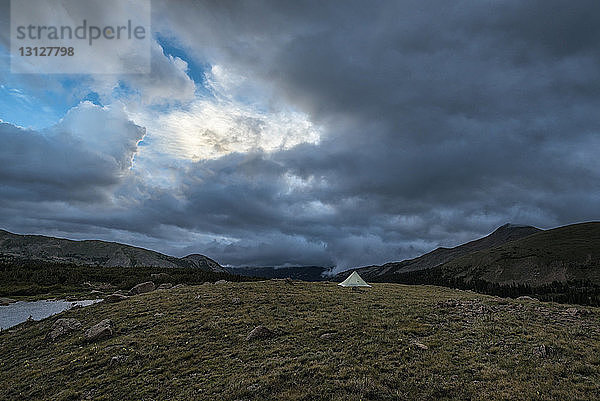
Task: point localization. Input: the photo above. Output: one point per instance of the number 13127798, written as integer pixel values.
(46, 51)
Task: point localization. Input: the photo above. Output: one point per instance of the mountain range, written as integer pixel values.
(511, 255)
(439, 256)
(94, 253)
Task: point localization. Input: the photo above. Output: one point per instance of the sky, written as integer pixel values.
(338, 133)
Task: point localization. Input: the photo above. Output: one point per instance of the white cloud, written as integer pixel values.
(209, 128)
(167, 84)
(104, 131)
(82, 158)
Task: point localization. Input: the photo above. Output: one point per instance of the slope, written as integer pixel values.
(93, 253)
(390, 342)
(569, 253)
(439, 256)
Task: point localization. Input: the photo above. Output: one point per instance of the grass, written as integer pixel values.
(562, 254)
(190, 344)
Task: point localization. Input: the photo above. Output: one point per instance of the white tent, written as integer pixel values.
(354, 280)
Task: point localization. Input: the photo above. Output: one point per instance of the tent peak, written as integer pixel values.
(354, 280)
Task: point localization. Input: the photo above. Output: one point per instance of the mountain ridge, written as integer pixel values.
(94, 253)
(505, 233)
(561, 254)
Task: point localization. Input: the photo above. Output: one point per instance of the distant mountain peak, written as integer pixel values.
(503, 234)
(512, 225)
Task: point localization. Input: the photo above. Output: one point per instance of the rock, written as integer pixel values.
(142, 288)
(572, 311)
(6, 301)
(178, 286)
(236, 301)
(112, 298)
(328, 336)
(160, 276)
(165, 286)
(259, 333)
(540, 351)
(449, 303)
(99, 286)
(418, 345)
(96, 292)
(253, 387)
(102, 330)
(118, 359)
(105, 286)
(526, 298)
(221, 282)
(62, 327)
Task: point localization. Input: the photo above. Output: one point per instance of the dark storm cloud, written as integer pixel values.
(441, 121)
(461, 115)
(61, 164)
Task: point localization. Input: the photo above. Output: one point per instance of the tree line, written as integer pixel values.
(33, 277)
(582, 292)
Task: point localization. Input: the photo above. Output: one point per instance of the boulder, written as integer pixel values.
(540, 351)
(142, 288)
(160, 276)
(112, 298)
(526, 298)
(221, 282)
(328, 336)
(165, 286)
(420, 346)
(177, 286)
(99, 286)
(253, 387)
(259, 333)
(62, 327)
(102, 330)
(572, 311)
(115, 360)
(6, 301)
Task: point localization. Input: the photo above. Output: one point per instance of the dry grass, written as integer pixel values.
(190, 344)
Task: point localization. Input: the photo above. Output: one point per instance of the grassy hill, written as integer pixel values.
(562, 254)
(389, 342)
(560, 265)
(439, 256)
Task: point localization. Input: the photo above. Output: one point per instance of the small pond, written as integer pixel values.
(20, 311)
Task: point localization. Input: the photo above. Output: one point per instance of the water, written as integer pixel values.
(20, 311)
